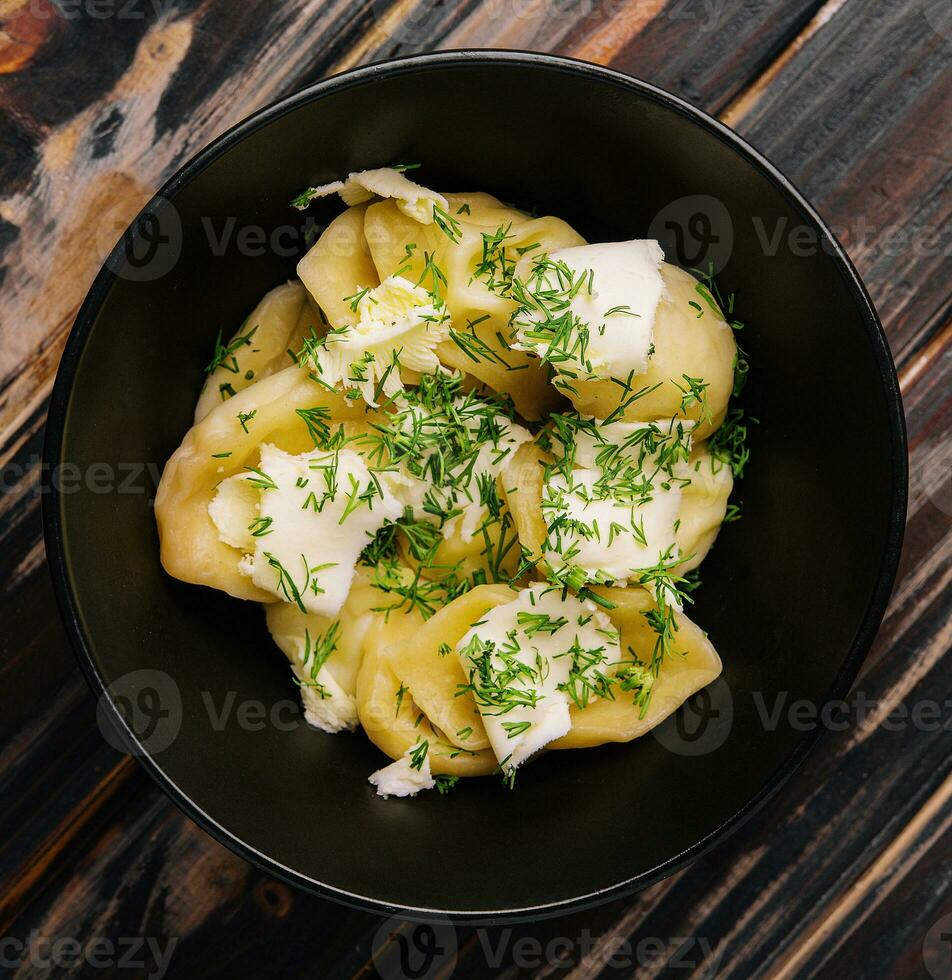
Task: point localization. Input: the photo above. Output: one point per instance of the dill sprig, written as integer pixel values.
(317, 653)
(418, 754)
(444, 783)
(544, 321)
(224, 355)
(447, 223)
(452, 444)
(728, 445)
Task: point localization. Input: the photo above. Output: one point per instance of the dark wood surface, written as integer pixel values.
(847, 872)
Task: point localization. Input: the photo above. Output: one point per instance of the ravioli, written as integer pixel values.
(469, 269)
(262, 346)
(469, 464)
(690, 371)
(699, 485)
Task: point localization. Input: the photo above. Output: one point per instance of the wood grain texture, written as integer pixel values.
(848, 868)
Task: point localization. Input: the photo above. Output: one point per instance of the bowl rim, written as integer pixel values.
(88, 314)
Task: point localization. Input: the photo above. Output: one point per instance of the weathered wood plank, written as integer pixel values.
(704, 50)
(929, 827)
(80, 160)
(863, 143)
(897, 936)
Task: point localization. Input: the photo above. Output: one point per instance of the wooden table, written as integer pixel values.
(847, 872)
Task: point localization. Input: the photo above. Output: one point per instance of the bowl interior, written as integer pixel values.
(787, 589)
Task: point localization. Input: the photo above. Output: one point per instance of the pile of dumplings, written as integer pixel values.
(470, 497)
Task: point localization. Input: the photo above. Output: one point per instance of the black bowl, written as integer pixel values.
(793, 592)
